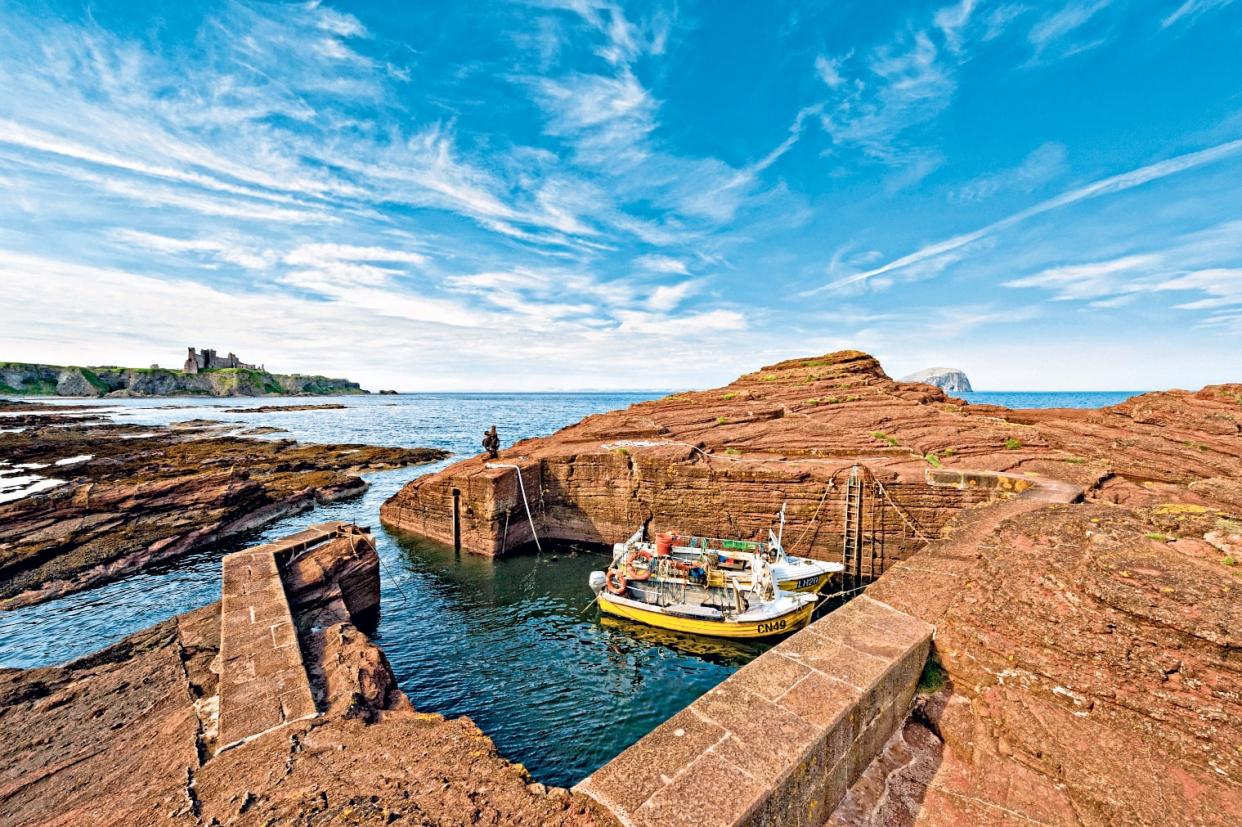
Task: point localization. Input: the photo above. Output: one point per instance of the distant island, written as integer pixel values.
(203, 374)
(949, 379)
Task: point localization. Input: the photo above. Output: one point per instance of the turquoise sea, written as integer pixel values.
(506, 642)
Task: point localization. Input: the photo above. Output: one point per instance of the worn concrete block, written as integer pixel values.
(711, 791)
(803, 789)
(628, 780)
(769, 678)
(833, 658)
(767, 732)
(819, 700)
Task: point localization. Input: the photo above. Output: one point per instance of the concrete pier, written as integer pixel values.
(782, 739)
(263, 681)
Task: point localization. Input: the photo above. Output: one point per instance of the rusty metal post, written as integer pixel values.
(456, 519)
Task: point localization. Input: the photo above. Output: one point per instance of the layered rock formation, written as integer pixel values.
(131, 496)
(1088, 653)
(947, 379)
(128, 735)
(1091, 663)
(26, 379)
(719, 462)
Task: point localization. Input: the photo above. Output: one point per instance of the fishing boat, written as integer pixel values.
(737, 557)
(677, 595)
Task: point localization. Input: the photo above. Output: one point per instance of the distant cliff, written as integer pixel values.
(949, 379)
(23, 379)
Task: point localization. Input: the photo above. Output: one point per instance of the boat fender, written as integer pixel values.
(615, 582)
(642, 556)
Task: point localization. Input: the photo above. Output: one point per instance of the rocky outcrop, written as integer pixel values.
(128, 735)
(1090, 667)
(25, 379)
(719, 462)
(330, 406)
(947, 379)
(140, 495)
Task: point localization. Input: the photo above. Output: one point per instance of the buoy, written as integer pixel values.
(664, 544)
(642, 573)
(615, 582)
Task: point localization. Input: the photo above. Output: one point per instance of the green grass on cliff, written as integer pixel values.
(933, 678)
(258, 381)
(39, 387)
(94, 380)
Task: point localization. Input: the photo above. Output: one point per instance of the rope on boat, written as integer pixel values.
(814, 517)
(525, 503)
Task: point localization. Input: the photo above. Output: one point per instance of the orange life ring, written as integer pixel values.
(642, 573)
(615, 582)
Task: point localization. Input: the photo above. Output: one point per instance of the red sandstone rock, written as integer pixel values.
(150, 498)
(126, 736)
(1091, 650)
(1092, 663)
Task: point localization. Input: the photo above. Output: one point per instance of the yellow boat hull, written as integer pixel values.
(806, 584)
(715, 628)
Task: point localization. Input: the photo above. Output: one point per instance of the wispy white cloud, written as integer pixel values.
(607, 117)
(951, 20)
(1200, 266)
(829, 69)
(879, 100)
(691, 324)
(662, 264)
(1061, 32)
(1089, 280)
(321, 254)
(905, 83)
(1191, 10)
(1043, 164)
(240, 254)
(953, 246)
(668, 296)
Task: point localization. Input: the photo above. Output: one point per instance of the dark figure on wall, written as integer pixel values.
(491, 442)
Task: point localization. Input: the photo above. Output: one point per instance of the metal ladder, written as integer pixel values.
(852, 534)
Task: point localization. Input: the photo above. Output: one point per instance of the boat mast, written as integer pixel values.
(781, 533)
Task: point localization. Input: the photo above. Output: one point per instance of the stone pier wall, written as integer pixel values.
(263, 680)
(604, 497)
(782, 739)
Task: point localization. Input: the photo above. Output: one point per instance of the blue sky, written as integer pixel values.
(578, 194)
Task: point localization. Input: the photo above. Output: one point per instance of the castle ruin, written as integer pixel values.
(206, 359)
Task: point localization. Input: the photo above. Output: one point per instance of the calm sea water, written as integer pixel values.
(508, 642)
(1048, 399)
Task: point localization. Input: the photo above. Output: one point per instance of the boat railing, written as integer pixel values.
(721, 544)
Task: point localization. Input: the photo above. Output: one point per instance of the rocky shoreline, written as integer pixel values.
(129, 735)
(129, 496)
(1084, 666)
(28, 379)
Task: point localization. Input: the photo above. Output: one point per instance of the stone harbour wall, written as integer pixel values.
(781, 740)
(603, 497)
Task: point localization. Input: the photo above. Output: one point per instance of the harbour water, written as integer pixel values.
(509, 642)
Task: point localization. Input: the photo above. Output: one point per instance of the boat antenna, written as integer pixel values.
(780, 534)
